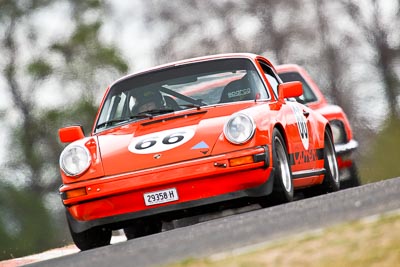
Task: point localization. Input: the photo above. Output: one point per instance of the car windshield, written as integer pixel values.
(181, 87)
(308, 95)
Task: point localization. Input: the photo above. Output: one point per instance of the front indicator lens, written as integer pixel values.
(241, 161)
(76, 193)
(75, 160)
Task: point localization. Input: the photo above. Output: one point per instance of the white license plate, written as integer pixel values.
(160, 197)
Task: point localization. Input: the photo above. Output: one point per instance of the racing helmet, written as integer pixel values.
(147, 96)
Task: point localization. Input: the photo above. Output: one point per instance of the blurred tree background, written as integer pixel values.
(58, 56)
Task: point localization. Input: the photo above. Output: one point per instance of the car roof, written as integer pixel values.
(288, 67)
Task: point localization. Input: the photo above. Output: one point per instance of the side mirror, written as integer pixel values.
(290, 89)
(70, 134)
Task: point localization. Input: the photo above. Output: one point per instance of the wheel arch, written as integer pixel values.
(329, 129)
(281, 192)
(281, 130)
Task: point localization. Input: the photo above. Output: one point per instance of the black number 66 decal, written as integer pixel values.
(161, 141)
(168, 140)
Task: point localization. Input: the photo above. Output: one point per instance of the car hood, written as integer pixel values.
(163, 140)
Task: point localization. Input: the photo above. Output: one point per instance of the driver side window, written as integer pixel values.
(273, 81)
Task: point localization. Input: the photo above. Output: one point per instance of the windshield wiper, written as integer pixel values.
(152, 112)
(191, 106)
(110, 122)
(145, 114)
(141, 115)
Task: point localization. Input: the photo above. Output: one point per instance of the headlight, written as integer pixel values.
(239, 129)
(74, 160)
(339, 136)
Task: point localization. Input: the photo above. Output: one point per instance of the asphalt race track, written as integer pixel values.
(227, 233)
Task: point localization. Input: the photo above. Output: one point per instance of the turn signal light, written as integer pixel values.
(76, 192)
(241, 161)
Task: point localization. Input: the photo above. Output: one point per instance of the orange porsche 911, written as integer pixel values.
(188, 137)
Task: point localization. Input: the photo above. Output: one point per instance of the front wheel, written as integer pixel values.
(143, 228)
(283, 189)
(91, 238)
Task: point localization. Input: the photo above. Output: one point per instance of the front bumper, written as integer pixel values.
(198, 182)
(344, 159)
(346, 148)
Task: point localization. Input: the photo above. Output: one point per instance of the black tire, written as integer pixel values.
(331, 181)
(143, 228)
(354, 179)
(92, 238)
(283, 190)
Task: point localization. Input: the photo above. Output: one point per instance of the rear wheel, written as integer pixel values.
(331, 181)
(283, 189)
(142, 228)
(91, 238)
(353, 180)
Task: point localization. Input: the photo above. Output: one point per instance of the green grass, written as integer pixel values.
(360, 243)
(382, 160)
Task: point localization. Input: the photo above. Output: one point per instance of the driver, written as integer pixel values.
(148, 100)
